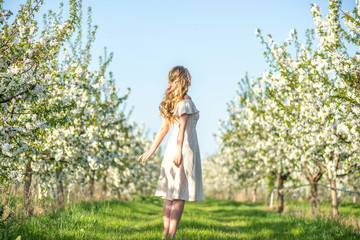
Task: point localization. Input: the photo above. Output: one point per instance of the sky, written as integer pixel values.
(214, 40)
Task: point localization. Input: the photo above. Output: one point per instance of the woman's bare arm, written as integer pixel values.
(163, 130)
(180, 139)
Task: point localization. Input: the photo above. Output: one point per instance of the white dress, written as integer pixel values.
(185, 182)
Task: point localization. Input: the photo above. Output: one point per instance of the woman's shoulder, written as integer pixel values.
(185, 106)
(186, 100)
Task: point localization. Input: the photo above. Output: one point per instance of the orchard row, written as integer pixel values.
(62, 123)
(300, 121)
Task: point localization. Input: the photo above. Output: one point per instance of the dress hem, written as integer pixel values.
(180, 198)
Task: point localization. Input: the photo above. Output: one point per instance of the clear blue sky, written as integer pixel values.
(215, 40)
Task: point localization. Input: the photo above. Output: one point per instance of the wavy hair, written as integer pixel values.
(182, 79)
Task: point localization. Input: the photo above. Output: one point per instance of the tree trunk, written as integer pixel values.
(68, 191)
(280, 185)
(271, 199)
(36, 189)
(104, 186)
(354, 195)
(59, 187)
(77, 192)
(28, 208)
(313, 178)
(230, 193)
(314, 196)
(268, 199)
(334, 202)
(254, 195)
(92, 183)
(270, 188)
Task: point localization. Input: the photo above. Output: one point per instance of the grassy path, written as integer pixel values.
(142, 219)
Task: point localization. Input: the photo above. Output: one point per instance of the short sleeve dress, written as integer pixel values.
(184, 182)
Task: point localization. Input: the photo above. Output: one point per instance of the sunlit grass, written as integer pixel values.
(142, 219)
(346, 208)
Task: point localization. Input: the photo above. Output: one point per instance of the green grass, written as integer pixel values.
(142, 219)
(347, 209)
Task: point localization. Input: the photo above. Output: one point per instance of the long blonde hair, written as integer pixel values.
(182, 79)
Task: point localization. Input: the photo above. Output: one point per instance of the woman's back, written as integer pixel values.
(184, 182)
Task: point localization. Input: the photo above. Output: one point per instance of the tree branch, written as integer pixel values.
(319, 164)
(337, 162)
(354, 167)
(7, 100)
(308, 175)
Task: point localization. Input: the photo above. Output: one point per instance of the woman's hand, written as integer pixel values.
(163, 130)
(178, 159)
(145, 156)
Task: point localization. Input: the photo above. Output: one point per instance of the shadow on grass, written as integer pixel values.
(141, 218)
(216, 202)
(100, 219)
(348, 204)
(249, 224)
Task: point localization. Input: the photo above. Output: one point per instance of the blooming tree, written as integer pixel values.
(307, 105)
(61, 121)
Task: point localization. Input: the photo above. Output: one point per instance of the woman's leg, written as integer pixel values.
(175, 216)
(166, 212)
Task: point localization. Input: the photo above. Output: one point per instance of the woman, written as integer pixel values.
(180, 175)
